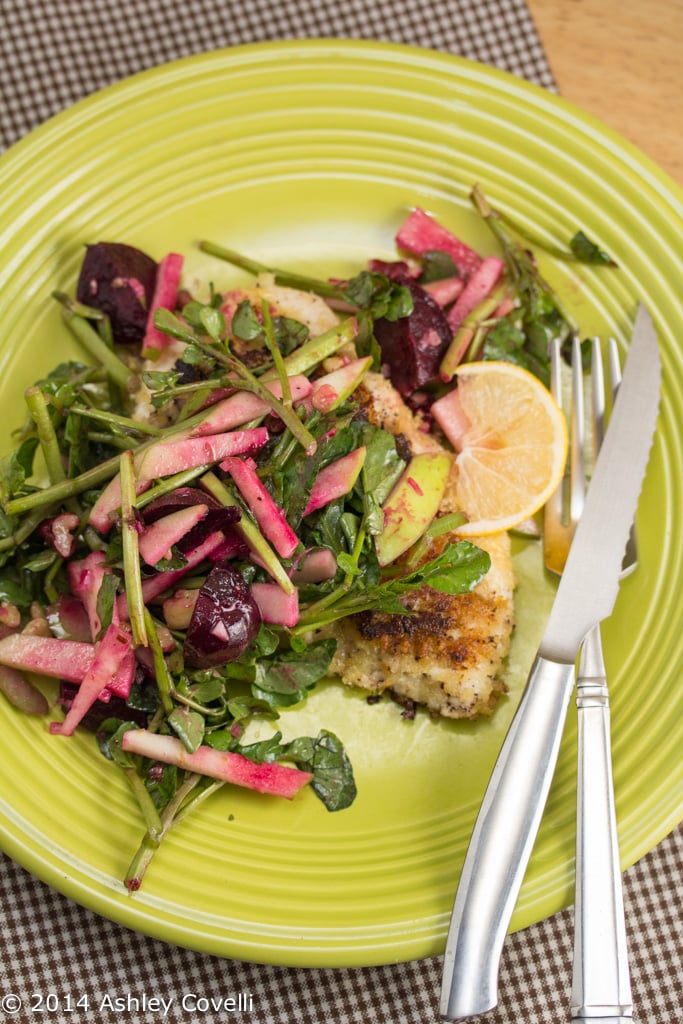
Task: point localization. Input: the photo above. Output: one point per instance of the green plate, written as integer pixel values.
(310, 154)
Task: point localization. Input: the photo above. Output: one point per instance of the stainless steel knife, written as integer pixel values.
(511, 811)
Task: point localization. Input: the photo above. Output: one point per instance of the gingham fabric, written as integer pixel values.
(52, 54)
(62, 963)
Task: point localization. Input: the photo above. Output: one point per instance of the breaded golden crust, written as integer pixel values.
(449, 653)
(385, 408)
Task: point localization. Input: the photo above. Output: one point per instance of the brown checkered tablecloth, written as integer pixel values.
(52, 54)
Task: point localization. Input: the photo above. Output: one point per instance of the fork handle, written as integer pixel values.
(600, 985)
(502, 841)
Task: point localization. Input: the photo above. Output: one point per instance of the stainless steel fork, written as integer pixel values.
(601, 988)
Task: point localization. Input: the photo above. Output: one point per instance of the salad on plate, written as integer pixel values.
(242, 493)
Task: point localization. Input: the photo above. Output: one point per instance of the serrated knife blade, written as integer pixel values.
(511, 810)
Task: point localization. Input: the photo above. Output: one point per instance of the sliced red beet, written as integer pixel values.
(173, 501)
(165, 458)
(158, 539)
(413, 346)
(113, 660)
(267, 777)
(222, 519)
(421, 233)
(269, 516)
(165, 297)
(218, 517)
(119, 280)
(275, 605)
(159, 582)
(49, 656)
(479, 286)
(225, 620)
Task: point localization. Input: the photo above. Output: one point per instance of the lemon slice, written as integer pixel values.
(510, 436)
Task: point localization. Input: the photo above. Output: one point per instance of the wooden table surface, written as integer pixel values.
(622, 61)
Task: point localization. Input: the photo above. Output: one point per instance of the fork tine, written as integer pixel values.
(555, 503)
(614, 367)
(578, 463)
(563, 509)
(598, 395)
(555, 528)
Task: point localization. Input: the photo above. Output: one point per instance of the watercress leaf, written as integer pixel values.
(379, 294)
(289, 334)
(327, 530)
(360, 289)
(437, 265)
(373, 514)
(192, 314)
(349, 525)
(268, 750)
(245, 324)
(209, 690)
(585, 348)
(41, 561)
(188, 725)
(298, 644)
(366, 343)
(220, 739)
(17, 467)
(113, 553)
(325, 757)
(505, 341)
(109, 735)
(212, 321)
(294, 671)
(457, 570)
(106, 598)
(398, 303)
(245, 707)
(160, 380)
(588, 252)
(383, 465)
(176, 561)
(143, 697)
(265, 642)
(193, 355)
(279, 700)
(162, 785)
(347, 564)
(14, 592)
(168, 323)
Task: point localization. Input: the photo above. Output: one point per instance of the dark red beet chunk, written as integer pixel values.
(414, 346)
(225, 620)
(173, 501)
(118, 280)
(219, 517)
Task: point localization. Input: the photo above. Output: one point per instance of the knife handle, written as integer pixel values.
(600, 983)
(502, 841)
